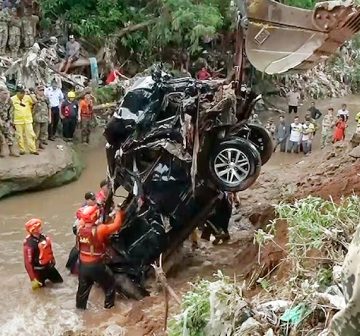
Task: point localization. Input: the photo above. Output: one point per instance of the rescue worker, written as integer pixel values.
(38, 256)
(14, 33)
(42, 117)
(72, 263)
(4, 30)
(103, 193)
(70, 116)
(23, 121)
(6, 123)
(91, 239)
(86, 116)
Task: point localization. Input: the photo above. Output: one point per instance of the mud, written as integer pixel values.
(52, 310)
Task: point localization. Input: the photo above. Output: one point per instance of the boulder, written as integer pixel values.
(58, 164)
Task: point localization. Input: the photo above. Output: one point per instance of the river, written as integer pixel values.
(50, 311)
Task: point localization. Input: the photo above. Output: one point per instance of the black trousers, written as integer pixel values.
(55, 117)
(69, 126)
(49, 273)
(95, 272)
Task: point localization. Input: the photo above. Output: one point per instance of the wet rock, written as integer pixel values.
(355, 153)
(52, 168)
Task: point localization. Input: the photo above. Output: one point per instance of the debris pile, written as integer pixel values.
(337, 77)
(301, 290)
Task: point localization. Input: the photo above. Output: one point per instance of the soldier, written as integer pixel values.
(346, 322)
(14, 33)
(41, 117)
(6, 123)
(29, 29)
(4, 29)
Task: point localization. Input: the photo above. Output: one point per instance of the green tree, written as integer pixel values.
(181, 23)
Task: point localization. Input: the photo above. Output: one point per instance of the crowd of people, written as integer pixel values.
(298, 136)
(30, 118)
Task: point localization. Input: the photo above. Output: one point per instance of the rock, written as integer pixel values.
(114, 330)
(355, 153)
(52, 168)
(250, 327)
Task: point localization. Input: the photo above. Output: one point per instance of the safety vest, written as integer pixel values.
(46, 255)
(88, 243)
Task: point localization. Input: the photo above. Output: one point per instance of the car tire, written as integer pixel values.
(129, 288)
(234, 165)
(259, 136)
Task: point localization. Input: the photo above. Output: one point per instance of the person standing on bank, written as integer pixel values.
(55, 97)
(70, 116)
(293, 98)
(23, 121)
(87, 115)
(42, 117)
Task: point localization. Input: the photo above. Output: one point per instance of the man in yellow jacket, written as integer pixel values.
(23, 121)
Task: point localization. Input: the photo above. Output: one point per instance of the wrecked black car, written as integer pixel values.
(179, 147)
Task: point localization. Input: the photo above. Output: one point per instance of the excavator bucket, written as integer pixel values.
(281, 38)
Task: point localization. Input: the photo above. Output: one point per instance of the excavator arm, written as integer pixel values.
(280, 38)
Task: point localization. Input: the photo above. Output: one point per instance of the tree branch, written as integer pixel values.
(132, 28)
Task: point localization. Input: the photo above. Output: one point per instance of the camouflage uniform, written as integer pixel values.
(347, 321)
(14, 35)
(29, 31)
(4, 30)
(6, 128)
(41, 120)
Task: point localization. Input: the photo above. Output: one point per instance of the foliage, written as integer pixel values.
(210, 308)
(182, 23)
(108, 94)
(309, 4)
(318, 224)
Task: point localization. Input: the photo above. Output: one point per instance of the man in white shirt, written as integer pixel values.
(343, 111)
(295, 136)
(55, 97)
(293, 98)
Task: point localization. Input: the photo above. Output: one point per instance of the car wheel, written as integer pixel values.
(259, 136)
(235, 165)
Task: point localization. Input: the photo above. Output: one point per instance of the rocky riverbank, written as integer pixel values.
(57, 165)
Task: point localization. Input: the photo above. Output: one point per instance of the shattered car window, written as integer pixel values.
(136, 99)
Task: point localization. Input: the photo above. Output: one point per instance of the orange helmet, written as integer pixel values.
(89, 214)
(33, 225)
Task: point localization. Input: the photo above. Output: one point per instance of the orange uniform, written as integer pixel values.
(92, 238)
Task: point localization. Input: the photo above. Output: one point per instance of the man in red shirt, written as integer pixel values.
(91, 242)
(114, 76)
(203, 74)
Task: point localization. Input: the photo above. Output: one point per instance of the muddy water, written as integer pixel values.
(50, 311)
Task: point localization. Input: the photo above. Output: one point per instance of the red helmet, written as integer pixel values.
(89, 214)
(33, 225)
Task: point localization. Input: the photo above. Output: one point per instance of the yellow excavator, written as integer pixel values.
(277, 38)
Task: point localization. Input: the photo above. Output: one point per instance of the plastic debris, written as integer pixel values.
(294, 316)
